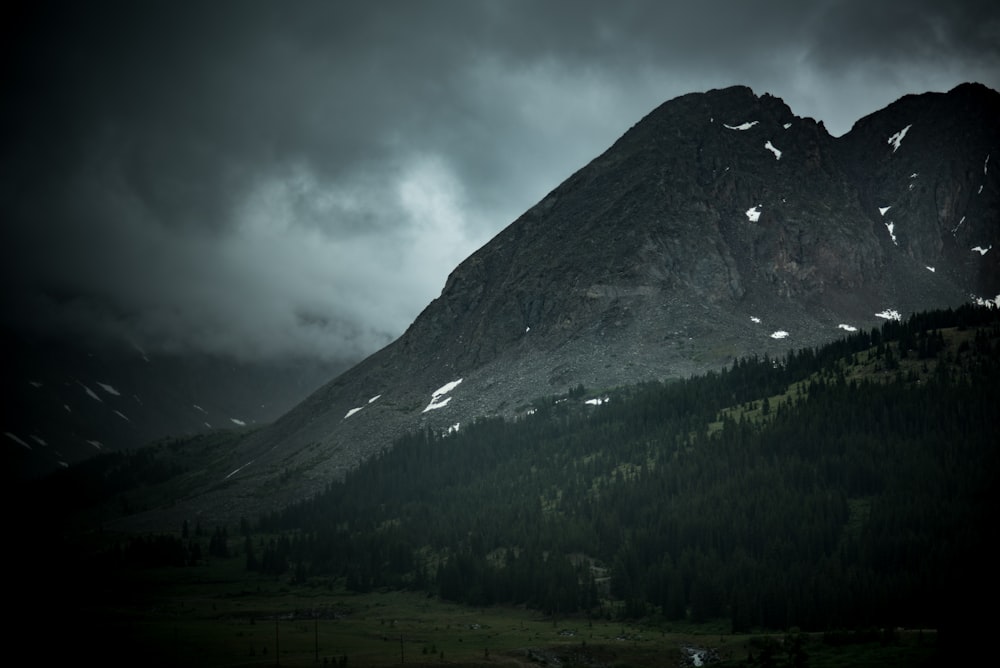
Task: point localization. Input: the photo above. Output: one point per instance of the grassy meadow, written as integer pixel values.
(218, 614)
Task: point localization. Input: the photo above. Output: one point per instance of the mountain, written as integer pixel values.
(720, 226)
(64, 402)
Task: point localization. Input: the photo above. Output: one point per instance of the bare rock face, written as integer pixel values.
(933, 183)
(719, 226)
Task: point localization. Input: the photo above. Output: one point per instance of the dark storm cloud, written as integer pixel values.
(921, 32)
(277, 177)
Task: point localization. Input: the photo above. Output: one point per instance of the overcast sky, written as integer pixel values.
(269, 178)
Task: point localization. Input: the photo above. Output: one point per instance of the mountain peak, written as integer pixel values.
(733, 106)
(974, 88)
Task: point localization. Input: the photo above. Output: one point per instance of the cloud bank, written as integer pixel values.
(266, 179)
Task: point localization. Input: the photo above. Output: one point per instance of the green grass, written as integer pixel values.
(866, 367)
(218, 614)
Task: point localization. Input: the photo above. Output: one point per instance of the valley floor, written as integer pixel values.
(219, 615)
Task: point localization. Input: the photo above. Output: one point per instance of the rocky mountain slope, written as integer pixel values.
(721, 225)
(61, 402)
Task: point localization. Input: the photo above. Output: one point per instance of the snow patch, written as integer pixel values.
(436, 401)
(891, 226)
(199, 408)
(741, 126)
(122, 416)
(897, 139)
(847, 328)
(914, 175)
(780, 334)
(755, 319)
(597, 401)
(981, 250)
(34, 383)
(38, 439)
(883, 209)
(986, 164)
(980, 191)
(97, 444)
(955, 229)
(238, 422)
(239, 469)
(355, 410)
(16, 440)
(787, 125)
(446, 388)
(753, 213)
(992, 303)
(90, 392)
(141, 352)
(66, 406)
(436, 404)
(889, 314)
(453, 429)
(930, 268)
(773, 149)
(110, 390)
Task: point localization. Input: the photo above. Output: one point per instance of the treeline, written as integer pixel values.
(860, 499)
